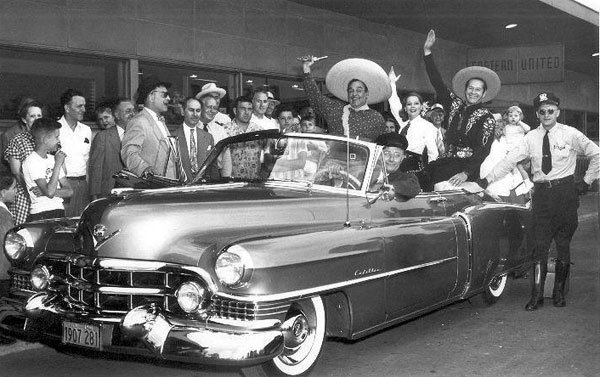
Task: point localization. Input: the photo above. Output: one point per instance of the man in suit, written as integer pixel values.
(195, 143)
(145, 147)
(105, 154)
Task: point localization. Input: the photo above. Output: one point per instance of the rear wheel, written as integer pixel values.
(304, 334)
(494, 289)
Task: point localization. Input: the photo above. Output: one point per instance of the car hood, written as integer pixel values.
(185, 224)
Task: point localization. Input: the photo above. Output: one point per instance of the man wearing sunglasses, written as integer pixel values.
(553, 149)
(146, 149)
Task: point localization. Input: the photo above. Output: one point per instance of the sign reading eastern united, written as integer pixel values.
(520, 65)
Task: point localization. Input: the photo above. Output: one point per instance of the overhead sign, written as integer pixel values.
(520, 65)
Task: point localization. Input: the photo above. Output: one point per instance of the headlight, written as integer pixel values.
(40, 278)
(233, 266)
(15, 243)
(190, 296)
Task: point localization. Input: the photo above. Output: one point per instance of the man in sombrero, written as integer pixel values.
(470, 126)
(356, 83)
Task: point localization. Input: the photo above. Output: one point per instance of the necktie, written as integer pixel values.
(193, 150)
(405, 129)
(546, 155)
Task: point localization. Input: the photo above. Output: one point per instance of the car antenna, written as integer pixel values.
(347, 223)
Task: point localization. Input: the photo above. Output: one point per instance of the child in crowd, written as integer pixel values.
(391, 125)
(514, 131)
(44, 175)
(513, 187)
(316, 149)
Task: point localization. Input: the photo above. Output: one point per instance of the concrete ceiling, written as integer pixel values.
(480, 23)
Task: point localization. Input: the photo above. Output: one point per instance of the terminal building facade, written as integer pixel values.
(103, 48)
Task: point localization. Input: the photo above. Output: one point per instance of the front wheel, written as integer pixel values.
(494, 289)
(304, 334)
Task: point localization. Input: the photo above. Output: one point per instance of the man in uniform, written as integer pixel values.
(553, 148)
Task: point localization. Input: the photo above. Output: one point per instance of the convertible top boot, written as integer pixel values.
(558, 294)
(538, 278)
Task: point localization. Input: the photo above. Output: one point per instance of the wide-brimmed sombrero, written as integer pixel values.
(367, 71)
(490, 78)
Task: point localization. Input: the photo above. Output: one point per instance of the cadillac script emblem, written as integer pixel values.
(99, 231)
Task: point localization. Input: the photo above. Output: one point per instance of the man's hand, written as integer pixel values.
(149, 172)
(582, 187)
(429, 42)
(36, 191)
(59, 159)
(458, 179)
(308, 61)
(387, 192)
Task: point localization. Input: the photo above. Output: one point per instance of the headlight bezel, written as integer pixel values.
(23, 238)
(200, 291)
(242, 272)
(43, 272)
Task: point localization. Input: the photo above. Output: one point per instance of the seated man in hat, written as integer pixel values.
(403, 183)
(360, 82)
(470, 126)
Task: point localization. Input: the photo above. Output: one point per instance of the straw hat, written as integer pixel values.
(490, 78)
(271, 97)
(211, 87)
(367, 71)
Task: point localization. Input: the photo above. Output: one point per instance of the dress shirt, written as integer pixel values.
(161, 124)
(421, 134)
(215, 129)
(221, 119)
(565, 144)
(120, 131)
(76, 144)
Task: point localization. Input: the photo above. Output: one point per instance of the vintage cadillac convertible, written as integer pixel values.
(259, 269)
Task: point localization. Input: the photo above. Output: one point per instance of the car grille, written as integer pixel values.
(20, 281)
(247, 311)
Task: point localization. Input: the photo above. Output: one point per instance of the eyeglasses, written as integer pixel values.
(163, 94)
(544, 112)
(389, 154)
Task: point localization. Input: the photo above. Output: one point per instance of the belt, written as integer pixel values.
(555, 182)
(80, 178)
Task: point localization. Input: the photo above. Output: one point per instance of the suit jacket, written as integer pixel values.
(406, 185)
(105, 160)
(145, 146)
(204, 144)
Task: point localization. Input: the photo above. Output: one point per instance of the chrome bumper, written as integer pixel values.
(163, 335)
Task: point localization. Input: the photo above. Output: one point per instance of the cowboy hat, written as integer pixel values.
(462, 77)
(367, 71)
(211, 87)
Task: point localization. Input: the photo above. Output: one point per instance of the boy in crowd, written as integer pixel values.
(8, 189)
(44, 173)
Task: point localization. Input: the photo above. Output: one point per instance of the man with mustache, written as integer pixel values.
(145, 148)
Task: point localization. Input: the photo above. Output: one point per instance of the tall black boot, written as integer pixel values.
(538, 278)
(558, 294)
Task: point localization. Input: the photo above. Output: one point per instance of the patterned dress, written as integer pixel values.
(366, 124)
(20, 147)
(470, 132)
(245, 157)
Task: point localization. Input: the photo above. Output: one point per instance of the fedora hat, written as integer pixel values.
(211, 87)
(367, 71)
(271, 97)
(147, 85)
(491, 79)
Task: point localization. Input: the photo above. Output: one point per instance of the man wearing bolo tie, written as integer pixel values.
(552, 148)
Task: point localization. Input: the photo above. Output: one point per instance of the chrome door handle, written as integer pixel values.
(438, 200)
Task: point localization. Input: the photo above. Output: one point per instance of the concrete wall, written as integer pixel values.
(263, 36)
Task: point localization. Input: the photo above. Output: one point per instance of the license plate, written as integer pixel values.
(79, 334)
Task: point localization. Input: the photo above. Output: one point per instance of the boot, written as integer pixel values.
(558, 294)
(538, 278)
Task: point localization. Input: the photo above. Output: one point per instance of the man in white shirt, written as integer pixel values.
(260, 104)
(105, 154)
(211, 89)
(75, 141)
(208, 122)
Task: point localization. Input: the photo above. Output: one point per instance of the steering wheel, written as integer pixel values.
(323, 176)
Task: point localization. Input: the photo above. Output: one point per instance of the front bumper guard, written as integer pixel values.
(165, 336)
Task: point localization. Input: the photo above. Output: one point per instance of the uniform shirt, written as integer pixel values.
(36, 167)
(421, 134)
(565, 144)
(367, 124)
(76, 144)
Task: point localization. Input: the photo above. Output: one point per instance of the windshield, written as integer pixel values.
(276, 157)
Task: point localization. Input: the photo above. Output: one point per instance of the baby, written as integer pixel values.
(514, 132)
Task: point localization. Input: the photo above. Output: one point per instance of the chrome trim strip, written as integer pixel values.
(245, 324)
(123, 264)
(327, 287)
(130, 290)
